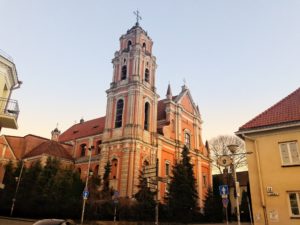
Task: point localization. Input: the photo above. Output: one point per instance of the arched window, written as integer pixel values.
(187, 139)
(144, 45)
(145, 163)
(114, 168)
(124, 72)
(129, 45)
(119, 113)
(99, 147)
(146, 119)
(147, 75)
(82, 149)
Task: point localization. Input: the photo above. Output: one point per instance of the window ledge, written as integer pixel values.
(290, 165)
(295, 217)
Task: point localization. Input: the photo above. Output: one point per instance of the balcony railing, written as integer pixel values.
(9, 107)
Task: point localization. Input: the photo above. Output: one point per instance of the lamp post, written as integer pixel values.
(17, 189)
(85, 192)
(233, 149)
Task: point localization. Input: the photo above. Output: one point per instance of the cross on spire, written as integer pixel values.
(138, 17)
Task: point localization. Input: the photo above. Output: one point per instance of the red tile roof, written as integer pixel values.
(50, 147)
(285, 111)
(84, 129)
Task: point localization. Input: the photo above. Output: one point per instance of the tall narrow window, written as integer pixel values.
(82, 149)
(294, 198)
(114, 168)
(146, 120)
(124, 72)
(204, 178)
(119, 113)
(128, 45)
(147, 75)
(99, 146)
(167, 169)
(187, 139)
(96, 170)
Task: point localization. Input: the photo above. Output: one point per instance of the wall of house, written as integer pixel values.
(266, 170)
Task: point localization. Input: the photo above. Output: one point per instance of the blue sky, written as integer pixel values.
(237, 57)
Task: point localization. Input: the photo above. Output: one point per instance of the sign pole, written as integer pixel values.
(226, 213)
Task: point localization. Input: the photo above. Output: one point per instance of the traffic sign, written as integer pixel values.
(85, 194)
(223, 189)
(225, 202)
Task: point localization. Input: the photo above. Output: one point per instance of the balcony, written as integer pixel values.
(9, 112)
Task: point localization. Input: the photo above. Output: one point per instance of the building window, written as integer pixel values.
(114, 168)
(204, 179)
(82, 148)
(167, 169)
(96, 170)
(147, 75)
(187, 139)
(289, 153)
(294, 199)
(124, 72)
(99, 147)
(119, 113)
(129, 45)
(146, 119)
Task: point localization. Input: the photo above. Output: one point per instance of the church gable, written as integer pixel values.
(186, 101)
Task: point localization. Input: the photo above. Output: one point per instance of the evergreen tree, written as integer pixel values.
(213, 208)
(28, 190)
(106, 190)
(7, 194)
(145, 207)
(183, 196)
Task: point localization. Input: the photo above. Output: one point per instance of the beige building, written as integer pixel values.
(9, 109)
(274, 167)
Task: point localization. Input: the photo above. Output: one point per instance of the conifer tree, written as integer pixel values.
(213, 208)
(7, 193)
(183, 196)
(145, 207)
(106, 190)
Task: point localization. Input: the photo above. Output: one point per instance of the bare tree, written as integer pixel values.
(218, 147)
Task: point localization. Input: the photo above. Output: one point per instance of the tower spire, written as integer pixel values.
(169, 92)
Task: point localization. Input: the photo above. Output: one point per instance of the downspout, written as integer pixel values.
(262, 198)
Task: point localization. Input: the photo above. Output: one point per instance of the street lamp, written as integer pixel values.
(233, 148)
(85, 192)
(18, 179)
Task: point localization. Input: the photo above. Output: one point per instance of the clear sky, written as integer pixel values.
(238, 57)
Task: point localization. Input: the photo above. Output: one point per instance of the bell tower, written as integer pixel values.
(131, 112)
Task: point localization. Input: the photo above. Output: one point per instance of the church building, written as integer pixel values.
(139, 129)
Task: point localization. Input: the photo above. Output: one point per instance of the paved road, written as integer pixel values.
(7, 221)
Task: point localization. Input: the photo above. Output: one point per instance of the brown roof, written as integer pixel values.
(22, 145)
(50, 147)
(84, 129)
(285, 111)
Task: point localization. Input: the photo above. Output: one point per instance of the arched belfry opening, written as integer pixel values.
(129, 45)
(124, 72)
(147, 75)
(146, 115)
